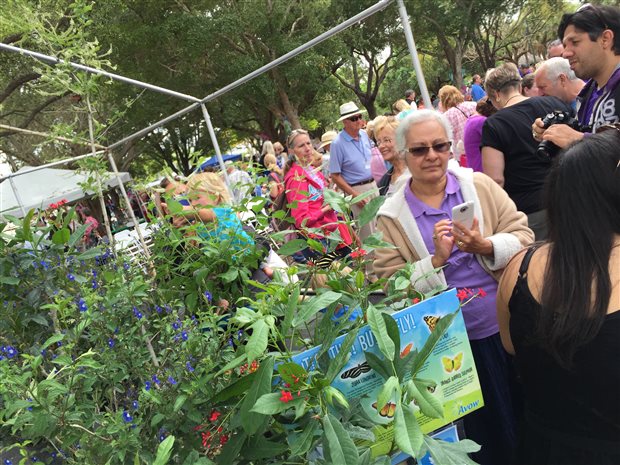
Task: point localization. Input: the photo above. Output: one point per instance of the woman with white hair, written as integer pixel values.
(417, 220)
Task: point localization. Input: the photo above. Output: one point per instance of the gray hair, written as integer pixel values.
(417, 117)
(556, 66)
(554, 43)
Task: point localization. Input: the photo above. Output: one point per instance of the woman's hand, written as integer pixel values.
(443, 241)
(470, 240)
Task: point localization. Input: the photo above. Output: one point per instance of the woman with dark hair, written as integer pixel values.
(304, 186)
(558, 307)
(472, 133)
(508, 150)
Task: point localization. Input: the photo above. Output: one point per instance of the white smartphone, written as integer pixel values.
(464, 214)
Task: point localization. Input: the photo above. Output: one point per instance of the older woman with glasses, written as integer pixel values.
(304, 185)
(385, 136)
(417, 220)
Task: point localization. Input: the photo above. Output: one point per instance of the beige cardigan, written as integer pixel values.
(499, 220)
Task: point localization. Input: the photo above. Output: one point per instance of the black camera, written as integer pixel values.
(547, 148)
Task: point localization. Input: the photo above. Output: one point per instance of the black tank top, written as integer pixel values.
(578, 408)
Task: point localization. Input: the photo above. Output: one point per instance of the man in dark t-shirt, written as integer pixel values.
(509, 131)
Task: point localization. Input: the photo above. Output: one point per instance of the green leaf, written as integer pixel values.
(369, 212)
(291, 306)
(339, 447)
(335, 200)
(157, 418)
(407, 433)
(164, 450)
(440, 328)
(379, 330)
(310, 308)
(61, 236)
(237, 388)
(51, 340)
(393, 333)
(234, 363)
(270, 404)
(343, 355)
(258, 340)
(251, 421)
(387, 392)
(382, 367)
(420, 390)
(179, 403)
(451, 453)
(90, 253)
(27, 232)
(292, 372)
(230, 275)
(301, 443)
(11, 280)
(230, 452)
(292, 246)
(78, 234)
(259, 448)
(174, 206)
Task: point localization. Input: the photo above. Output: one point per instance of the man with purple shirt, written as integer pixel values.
(417, 222)
(591, 38)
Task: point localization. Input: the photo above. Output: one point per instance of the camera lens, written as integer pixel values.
(463, 209)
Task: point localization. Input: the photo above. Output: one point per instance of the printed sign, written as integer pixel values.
(450, 366)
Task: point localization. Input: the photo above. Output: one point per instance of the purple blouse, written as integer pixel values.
(462, 269)
(472, 135)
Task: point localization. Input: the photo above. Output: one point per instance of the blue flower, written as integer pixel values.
(176, 325)
(135, 405)
(70, 277)
(231, 343)
(94, 284)
(111, 343)
(239, 334)
(171, 380)
(147, 385)
(156, 380)
(8, 462)
(158, 309)
(10, 351)
(126, 266)
(208, 296)
(137, 313)
(184, 336)
(44, 264)
(127, 418)
(189, 367)
(94, 272)
(82, 305)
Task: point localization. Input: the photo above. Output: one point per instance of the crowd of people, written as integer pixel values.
(528, 149)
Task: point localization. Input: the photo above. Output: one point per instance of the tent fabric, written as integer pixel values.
(213, 161)
(43, 187)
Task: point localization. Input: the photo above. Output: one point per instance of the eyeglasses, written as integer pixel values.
(441, 147)
(387, 140)
(355, 118)
(596, 11)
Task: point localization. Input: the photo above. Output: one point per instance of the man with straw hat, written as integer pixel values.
(349, 162)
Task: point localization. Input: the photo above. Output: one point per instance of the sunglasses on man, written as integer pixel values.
(355, 118)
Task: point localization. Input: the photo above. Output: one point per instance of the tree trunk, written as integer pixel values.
(458, 65)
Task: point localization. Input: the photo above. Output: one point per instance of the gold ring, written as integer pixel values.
(459, 244)
(534, 135)
(434, 237)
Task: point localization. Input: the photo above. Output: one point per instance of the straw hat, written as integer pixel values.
(349, 109)
(327, 138)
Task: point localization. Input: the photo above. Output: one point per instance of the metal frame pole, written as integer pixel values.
(404, 19)
(17, 196)
(49, 165)
(216, 146)
(302, 48)
(88, 69)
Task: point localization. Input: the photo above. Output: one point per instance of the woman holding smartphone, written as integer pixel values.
(417, 220)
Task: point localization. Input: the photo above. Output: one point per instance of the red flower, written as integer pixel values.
(206, 438)
(462, 294)
(223, 439)
(359, 253)
(214, 416)
(416, 300)
(481, 292)
(286, 397)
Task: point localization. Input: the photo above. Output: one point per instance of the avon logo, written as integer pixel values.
(463, 409)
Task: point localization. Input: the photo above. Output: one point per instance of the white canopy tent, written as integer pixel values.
(39, 188)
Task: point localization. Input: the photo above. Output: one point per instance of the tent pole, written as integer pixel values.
(216, 146)
(382, 4)
(136, 226)
(106, 219)
(404, 19)
(49, 165)
(88, 69)
(17, 196)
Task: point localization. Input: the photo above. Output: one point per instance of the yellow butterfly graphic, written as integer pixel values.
(452, 364)
(431, 321)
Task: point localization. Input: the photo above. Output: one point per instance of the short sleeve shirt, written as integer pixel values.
(351, 157)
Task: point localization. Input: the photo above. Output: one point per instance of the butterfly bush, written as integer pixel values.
(108, 359)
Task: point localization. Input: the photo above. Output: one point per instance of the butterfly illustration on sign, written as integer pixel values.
(356, 371)
(451, 364)
(387, 411)
(431, 322)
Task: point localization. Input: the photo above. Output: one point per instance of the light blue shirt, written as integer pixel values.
(477, 92)
(350, 157)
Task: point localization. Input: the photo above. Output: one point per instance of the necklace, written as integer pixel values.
(515, 95)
